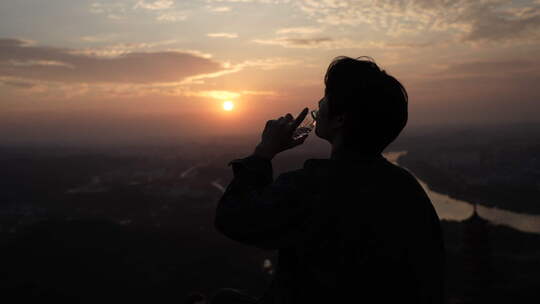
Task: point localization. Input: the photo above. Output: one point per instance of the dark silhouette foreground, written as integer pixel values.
(351, 228)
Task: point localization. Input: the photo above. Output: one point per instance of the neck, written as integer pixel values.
(340, 152)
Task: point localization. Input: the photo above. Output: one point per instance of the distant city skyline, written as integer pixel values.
(104, 70)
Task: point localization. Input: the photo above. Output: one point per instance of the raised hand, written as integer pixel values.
(278, 135)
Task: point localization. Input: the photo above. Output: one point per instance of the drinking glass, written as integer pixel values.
(306, 126)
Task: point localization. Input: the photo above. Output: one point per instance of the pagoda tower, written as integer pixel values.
(476, 253)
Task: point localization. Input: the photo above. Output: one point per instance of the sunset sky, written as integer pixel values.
(104, 70)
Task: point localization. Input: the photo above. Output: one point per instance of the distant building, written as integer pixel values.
(476, 252)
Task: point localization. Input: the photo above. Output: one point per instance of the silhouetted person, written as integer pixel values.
(353, 228)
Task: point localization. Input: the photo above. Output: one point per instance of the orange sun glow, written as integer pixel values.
(228, 105)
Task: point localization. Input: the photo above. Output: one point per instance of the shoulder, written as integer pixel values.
(407, 191)
(401, 175)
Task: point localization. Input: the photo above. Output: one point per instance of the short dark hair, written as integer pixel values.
(373, 102)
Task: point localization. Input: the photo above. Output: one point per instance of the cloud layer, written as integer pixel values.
(469, 20)
(20, 60)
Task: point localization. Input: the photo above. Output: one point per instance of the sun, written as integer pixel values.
(228, 105)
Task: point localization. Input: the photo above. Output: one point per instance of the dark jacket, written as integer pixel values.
(357, 230)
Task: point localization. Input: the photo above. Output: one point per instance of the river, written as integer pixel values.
(457, 210)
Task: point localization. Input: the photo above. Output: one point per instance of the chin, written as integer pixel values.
(319, 134)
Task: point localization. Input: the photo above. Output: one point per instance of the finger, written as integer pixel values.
(299, 141)
(268, 123)
(300, 118)
(289, 117)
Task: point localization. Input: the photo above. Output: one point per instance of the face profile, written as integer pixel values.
(327, 128)
(320, 123)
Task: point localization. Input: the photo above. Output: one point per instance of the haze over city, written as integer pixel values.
(107, 71)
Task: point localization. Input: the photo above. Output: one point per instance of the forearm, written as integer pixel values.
(250, 176)
(250, 173)
(255, 210)
(263, 151)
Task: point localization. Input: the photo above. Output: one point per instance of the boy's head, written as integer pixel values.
(361, 103)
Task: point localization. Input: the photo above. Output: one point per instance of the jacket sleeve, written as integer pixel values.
(256, 211)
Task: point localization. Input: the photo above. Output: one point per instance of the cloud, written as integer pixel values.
(114, 11)
(105, 7)
(16, 83)
(486, 24)
(494, 67)
(479, 91)
(99, 37)
(271, 63)
(124, 48)
(485, 80)
(341, 43)
(298, 42)
(28, 63)
(120, 71)
(299, 30)
(154, 5)
(164, 11)
(259, 93)
(67, 66)
(409, 44)
(231, 1)
(469, 20)
(251, 1)
(171, 17)
(225, 95)
(263, 64)
(222, 35)
(219, 9)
